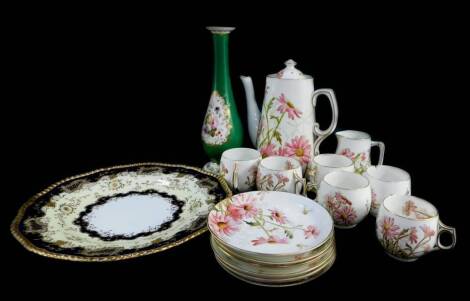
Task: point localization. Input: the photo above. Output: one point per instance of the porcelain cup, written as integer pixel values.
(356, 145)
(323, 164)
(386, 181)
(409, 227)
(347, 196)
(278, 173)
(238, 166)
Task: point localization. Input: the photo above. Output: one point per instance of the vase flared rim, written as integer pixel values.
(220, 29)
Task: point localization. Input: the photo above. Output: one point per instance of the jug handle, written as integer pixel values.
(321, 135)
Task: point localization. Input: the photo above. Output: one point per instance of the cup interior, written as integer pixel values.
(279, 163)
(410, 207)
(350, 134)
(388, 173)
(346, 180)
(332, 160)
(241, 154)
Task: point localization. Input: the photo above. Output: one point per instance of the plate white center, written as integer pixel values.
(130, 215)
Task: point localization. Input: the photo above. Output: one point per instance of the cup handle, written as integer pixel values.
(381, 146)
(311, 174)
(235, 177)
(321, 135)
(441, 229)
(303, 181)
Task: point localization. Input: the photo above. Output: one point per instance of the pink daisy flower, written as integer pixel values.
(345, 215)
(299, 148)
(285, 106)
(388, 228)
(222, 224)
(245, 205)
(268, 150)
(234, 212)
(311, 231)
(278, 216)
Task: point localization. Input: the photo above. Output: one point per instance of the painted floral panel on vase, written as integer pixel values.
(216, 127)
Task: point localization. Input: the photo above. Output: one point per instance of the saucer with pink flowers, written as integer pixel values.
(269, 222)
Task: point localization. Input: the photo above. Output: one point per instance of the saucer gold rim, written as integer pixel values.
(321, 269)
(322, 249)
(258, 275)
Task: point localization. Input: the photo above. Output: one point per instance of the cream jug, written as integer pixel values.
(286, 125)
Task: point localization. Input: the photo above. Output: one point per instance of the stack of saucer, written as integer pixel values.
(272, 238)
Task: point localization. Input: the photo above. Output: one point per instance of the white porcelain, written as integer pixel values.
(386, 181)
(356, 145)
(276, 226)
(347, 196)
(409, 227)
(280, 174)
(323, 164)
(271, 270)
(238, 166)
(287, 124)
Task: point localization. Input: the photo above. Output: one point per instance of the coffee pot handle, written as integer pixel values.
(319, 134)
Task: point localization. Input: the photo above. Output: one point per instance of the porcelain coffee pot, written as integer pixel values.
(287, 125)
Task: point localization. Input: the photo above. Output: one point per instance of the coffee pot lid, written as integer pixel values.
(290, 72)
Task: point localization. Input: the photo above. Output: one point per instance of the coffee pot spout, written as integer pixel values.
(252, 108)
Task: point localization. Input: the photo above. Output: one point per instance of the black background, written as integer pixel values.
(91, 88)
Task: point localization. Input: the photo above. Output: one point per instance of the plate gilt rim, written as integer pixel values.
(26, 243)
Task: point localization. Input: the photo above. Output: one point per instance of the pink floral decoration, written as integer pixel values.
(363, 156)
(245, 206)
(283, 151)
(388, 228)
(281, 178)
(409, 208)
(278, 216)
(222, 224)
(375, 204)
(270, 240)
(428, 232)
(413, 235)
(332, 203)
(299, 148)
(311, 231)
(268, 150)
(345, 215)
(347, 152)
(342, 199)
(285, 106)
(234, 212)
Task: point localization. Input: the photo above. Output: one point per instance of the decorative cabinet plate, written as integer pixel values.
(119, 212)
